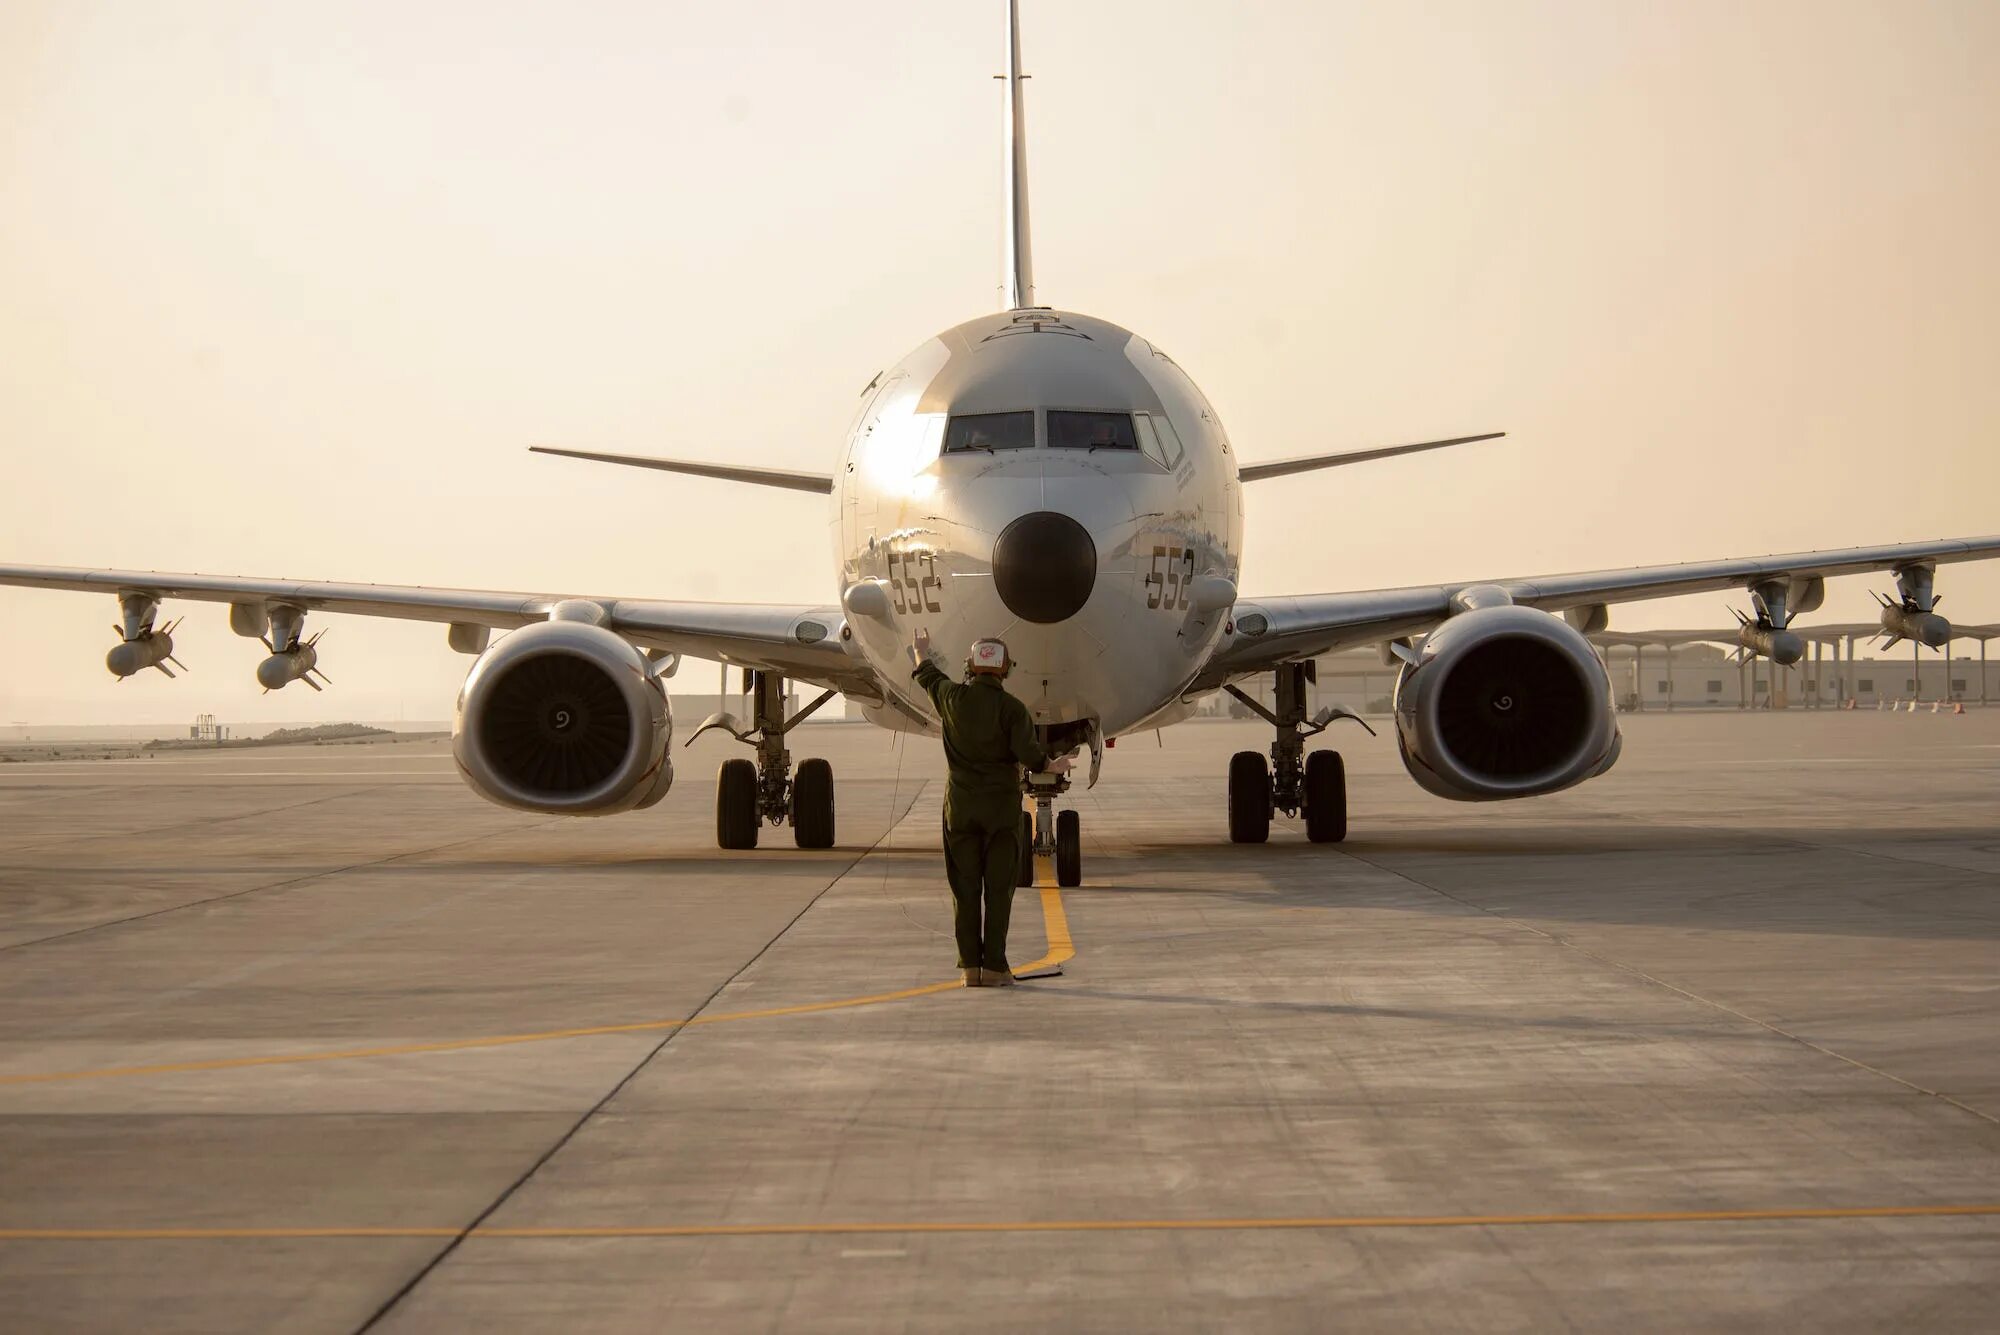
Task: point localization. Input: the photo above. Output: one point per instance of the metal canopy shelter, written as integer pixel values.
(1835, 634)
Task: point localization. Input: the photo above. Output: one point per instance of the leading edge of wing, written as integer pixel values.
(800, 640)
(1307, 463)
(502, 611)
(1636, 583)
(820, 483)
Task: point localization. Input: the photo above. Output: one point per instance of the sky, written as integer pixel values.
(286, 289)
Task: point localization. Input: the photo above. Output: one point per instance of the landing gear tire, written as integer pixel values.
(1026, 876)
(812, 804)
(1326, 797)
(736, 813)
(1069, 849)
(1249, 798)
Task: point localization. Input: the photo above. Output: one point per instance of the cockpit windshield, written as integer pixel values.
(1091, 431)
(990, 431)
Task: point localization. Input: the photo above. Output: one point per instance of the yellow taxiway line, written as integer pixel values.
(1307, 1223)
(1055, 924)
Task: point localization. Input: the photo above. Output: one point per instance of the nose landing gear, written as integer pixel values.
(1314, 786)
(1056, 834)
(750, 792)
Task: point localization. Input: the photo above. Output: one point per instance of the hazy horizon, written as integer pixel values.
(289, 289)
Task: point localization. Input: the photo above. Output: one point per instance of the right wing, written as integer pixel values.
(1269, 631)
(821, 483)
(799, 641)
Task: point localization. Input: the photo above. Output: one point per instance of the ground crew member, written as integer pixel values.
(988, 737)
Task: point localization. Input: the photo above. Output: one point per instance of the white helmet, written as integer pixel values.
(989, 656)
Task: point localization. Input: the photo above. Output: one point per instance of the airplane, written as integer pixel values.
(1049, 478)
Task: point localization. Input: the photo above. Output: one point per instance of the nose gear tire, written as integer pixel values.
(1326, 797)
(812, 804)
(1249, 798)
(1069, 849)
(736, 814)
(1026, 876)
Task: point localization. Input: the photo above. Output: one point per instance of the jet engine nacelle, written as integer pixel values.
(1505, 702)
(564, 717)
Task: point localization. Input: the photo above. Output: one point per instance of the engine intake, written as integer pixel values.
(1505, 702)
(564, 717)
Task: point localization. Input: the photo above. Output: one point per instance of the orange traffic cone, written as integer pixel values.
(1958, 706)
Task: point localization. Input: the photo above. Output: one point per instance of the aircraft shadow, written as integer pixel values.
(1496, 1020)
(1858, 881)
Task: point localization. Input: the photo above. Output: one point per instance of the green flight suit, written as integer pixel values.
(988, 736)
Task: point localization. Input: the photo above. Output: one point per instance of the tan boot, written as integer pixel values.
(997, 977)
(974, 977)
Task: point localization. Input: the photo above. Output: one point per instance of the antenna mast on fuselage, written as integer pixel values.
(1017, 270)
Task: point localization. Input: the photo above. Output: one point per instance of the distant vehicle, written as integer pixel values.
(1055, 480)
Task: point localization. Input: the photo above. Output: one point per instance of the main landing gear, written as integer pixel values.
(750, 792)
(1295, 783)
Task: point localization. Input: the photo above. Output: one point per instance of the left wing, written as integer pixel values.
(1268, 631)
(802, 642)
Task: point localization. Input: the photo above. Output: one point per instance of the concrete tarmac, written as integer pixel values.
(313, 1039)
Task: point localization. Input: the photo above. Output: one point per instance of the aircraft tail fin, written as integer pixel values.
(1017, 269)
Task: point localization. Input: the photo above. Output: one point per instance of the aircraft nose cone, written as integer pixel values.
(1044, 566)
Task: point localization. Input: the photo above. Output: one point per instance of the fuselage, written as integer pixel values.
(1058, 482)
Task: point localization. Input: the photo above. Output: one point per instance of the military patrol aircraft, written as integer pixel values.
(1052, 479)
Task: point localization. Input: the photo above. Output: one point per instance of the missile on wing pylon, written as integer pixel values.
(1901, 622)
(148, 648)
(1911, 614)
(1780, 646)
(298, 663)
(129, 657)
(1761, 639)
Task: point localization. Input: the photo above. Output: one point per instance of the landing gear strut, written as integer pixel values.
(750, 792)
(1051, 833)
(1314, 786)
(1056, 834)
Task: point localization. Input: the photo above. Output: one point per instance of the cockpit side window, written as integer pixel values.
(1155, 428)
(1149, 439)
(1091, 431)
(990, 431)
